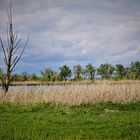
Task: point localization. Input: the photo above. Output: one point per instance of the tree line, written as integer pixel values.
(104, 71)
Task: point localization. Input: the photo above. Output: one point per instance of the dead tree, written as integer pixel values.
(12, 53)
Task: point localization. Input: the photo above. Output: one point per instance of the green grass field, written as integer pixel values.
(51, 122)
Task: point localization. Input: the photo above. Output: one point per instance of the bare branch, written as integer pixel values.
(8, 36)
(15, 37)
(20, 54)
(16, 49)
(14, 61)
(3, 49)
(17, 43)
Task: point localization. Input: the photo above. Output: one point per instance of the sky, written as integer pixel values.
(74, 32)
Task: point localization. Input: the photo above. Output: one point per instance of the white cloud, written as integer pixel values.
(79, 31)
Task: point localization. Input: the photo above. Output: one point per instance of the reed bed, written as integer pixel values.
(75, 94)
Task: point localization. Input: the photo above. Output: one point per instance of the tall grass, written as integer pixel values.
(76, 94)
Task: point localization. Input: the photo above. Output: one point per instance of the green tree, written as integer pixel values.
(90, 71)
(34, 77)
(56, 77)
(120, 71)
(65, 72)
(25, 76)
(47, 74)
(17, 77)
(78, 71)
(133, 70)
(105, 70)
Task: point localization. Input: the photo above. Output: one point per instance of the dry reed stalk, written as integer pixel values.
(117, 92)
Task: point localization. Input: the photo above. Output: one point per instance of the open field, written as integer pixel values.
(98, 110)
(63, 122)
(76, 94)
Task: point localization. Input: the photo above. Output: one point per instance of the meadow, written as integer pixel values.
(99, 110)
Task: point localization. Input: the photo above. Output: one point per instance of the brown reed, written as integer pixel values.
(75, 94)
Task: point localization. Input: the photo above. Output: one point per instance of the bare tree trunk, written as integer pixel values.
(12, 53)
